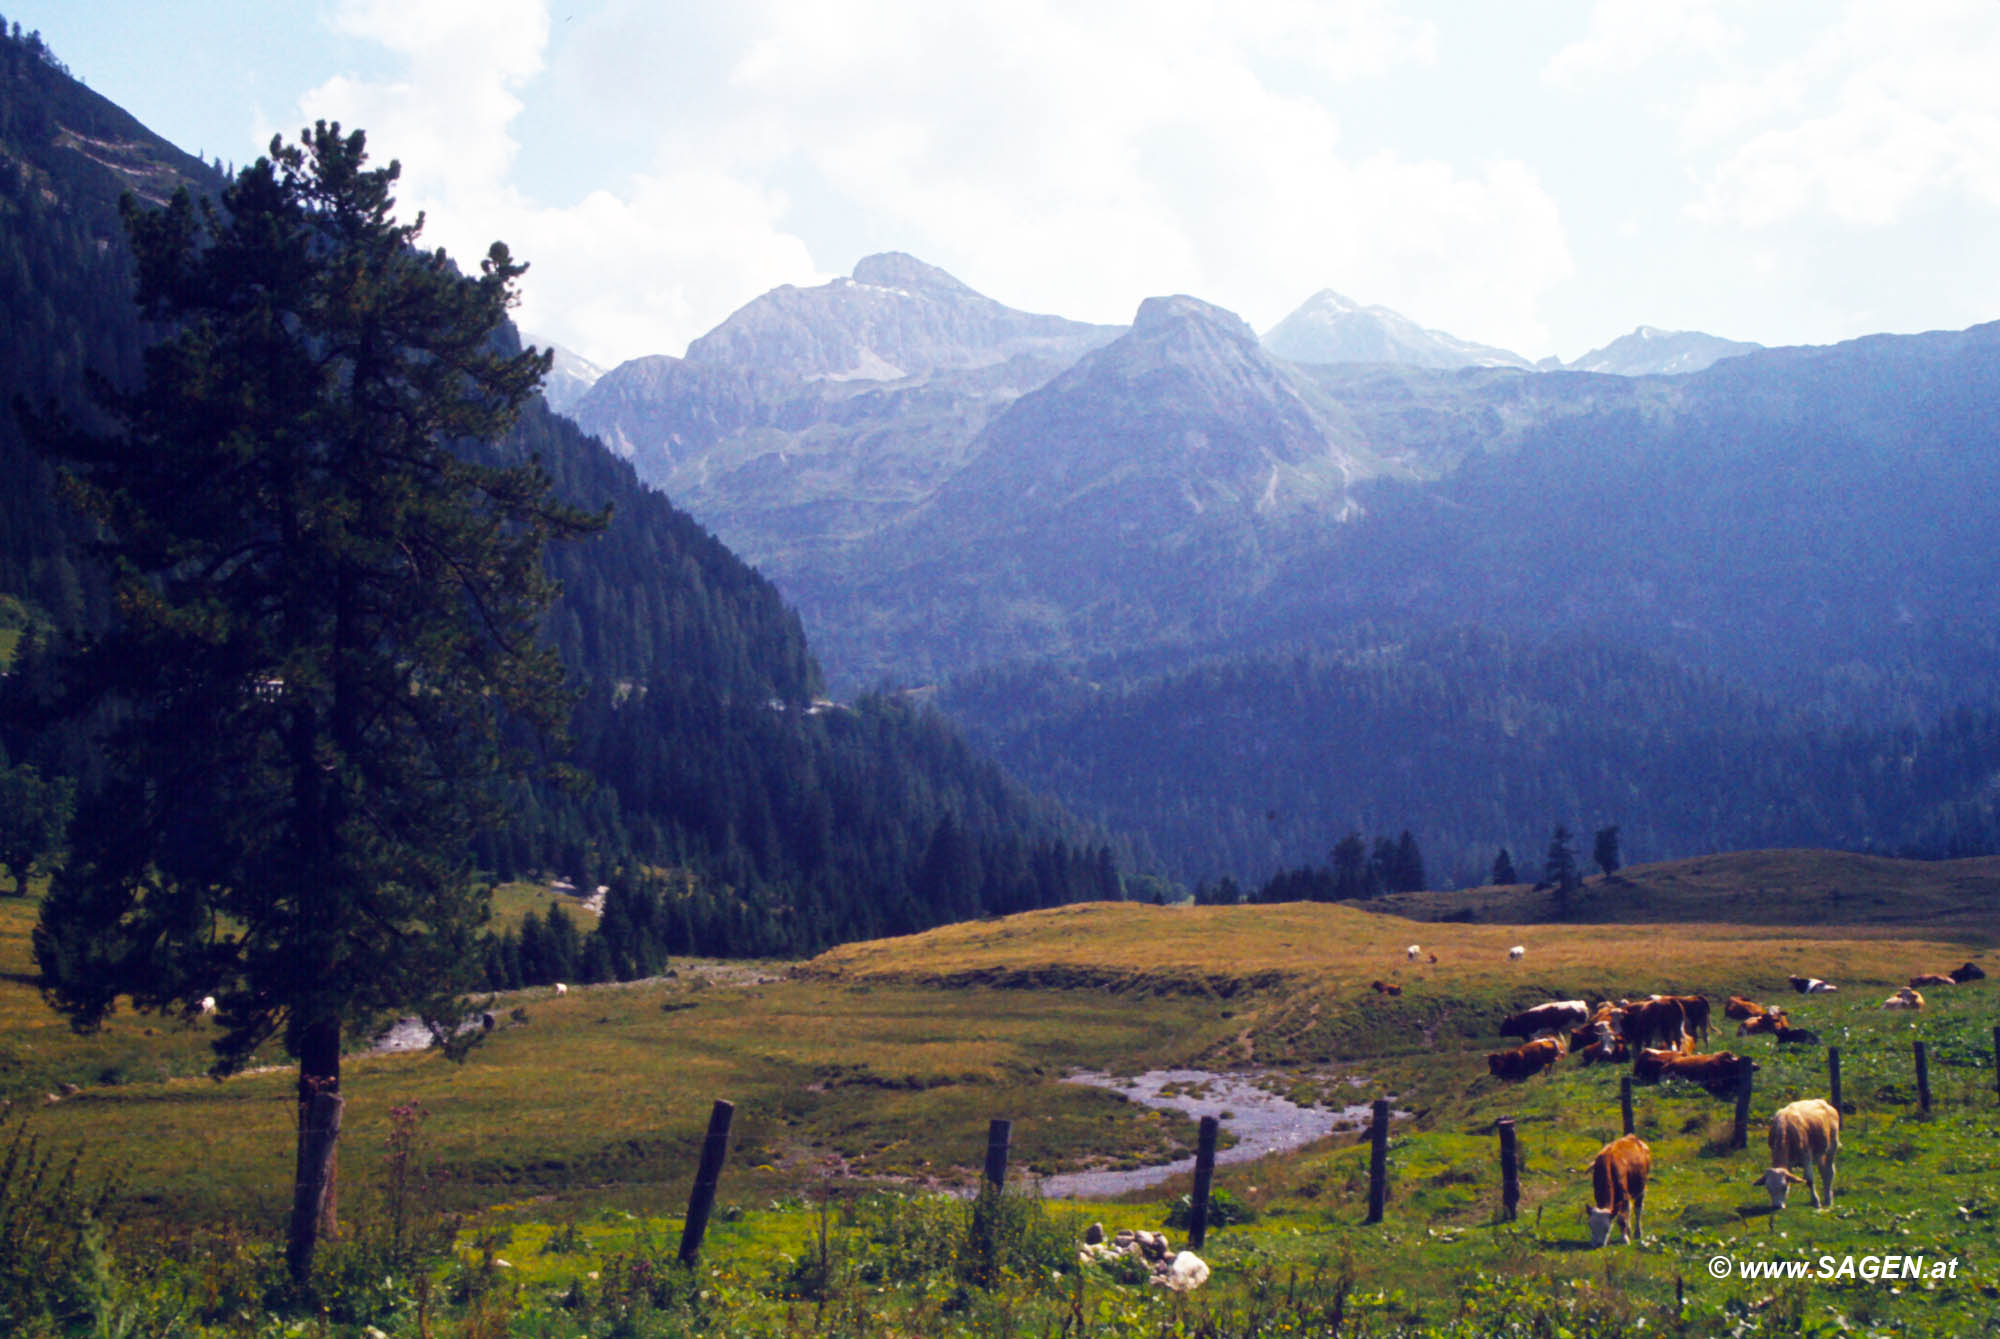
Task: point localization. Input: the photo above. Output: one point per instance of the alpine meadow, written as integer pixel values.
(922, 817)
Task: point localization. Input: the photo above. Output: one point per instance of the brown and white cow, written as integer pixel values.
(1554, 1016)
(1661, 1020)
(1804, 1134)
(1525, 1062)
(1931, 979)
(1618, 1183)
(1771, 1020)
(1905, 998)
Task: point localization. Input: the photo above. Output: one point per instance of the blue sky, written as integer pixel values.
(1543, 175)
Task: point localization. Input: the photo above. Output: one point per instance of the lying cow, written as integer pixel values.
(1804, 1134)
(1718, 1073)
(1741, 1007)
(1969, 972)
(1524, 1062)
(1618, 1183)
(1770, 1021)
(1385, 988)
(1811, 985)
(1605, 1048)
(1905, 998)
(1554, 1016)
(1795, 1036)
(1931, 979)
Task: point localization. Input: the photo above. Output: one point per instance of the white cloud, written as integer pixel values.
(1061, 157)
(1627, 35)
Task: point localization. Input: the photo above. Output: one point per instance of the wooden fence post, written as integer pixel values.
(317, 1142)
(999, 1136)
(1833, 1075)
(1625, 1101)
(1996, 1060)
(1378, 1161)
(1923, 1077)
(1510, 1172)
(1739, 1133)
(1204, 1176)
(702, 1198)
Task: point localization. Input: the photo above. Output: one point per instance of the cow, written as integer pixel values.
(207, 1005)
(1516, 953)
(1663, 1019)
(1904, 999)
(1969, 972)
(1618, 1183)
(1718, 1073)
(1415, 951)
(1811, 985)
(1694, 1013)
(1553, 1016)
(1805, 1134)
(1795, 1036)
(1931, 979)
(1606, 1047)
(1525, 1062)
(1741, 1007)
(1385, 988)
(561, 989)
(1771, 1021)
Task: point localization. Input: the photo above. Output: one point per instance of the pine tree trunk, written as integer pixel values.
(315, 1197)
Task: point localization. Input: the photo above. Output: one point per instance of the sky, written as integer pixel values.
(1542, 175)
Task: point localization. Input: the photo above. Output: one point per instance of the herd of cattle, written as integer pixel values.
(1657, 1035)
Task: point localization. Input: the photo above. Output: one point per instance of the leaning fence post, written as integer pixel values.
(1739, 1133)
(1625, 1101)
(999, 1135)
(1833, 1075)
(1204, 1175)
(1510, 1171)
(1378, 1161)
(1923, 1077)
(702, 1198)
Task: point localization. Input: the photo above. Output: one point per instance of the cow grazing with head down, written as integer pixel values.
(1526, 1061)
(1617, 1184)
(1516, 953)
(1415, 951)
(1803, 1134)
(1554, 1016)
(1662, 1020)
(1969, 972)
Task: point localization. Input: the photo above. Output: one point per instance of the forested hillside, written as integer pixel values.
(1241, 765)
(789, 824)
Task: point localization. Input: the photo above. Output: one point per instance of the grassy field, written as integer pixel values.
(571, 1136)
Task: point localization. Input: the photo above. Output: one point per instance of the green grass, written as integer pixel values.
(877, 1067)
(513, 901)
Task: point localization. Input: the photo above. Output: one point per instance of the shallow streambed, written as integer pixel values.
(1261, 1122)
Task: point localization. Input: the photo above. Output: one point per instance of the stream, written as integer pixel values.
(1262, 1123)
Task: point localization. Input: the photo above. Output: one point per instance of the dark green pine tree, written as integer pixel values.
(34, 812)
(1503, 868)
(1605, 852)
(1351, 875)
(1409, 868)
(325, 609)
(1559, 870)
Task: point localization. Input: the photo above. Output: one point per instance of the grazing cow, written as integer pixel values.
(1516, 953)
(1525, 1062)
(561, 989)
(1618, 1183)
(1741, 1006)
(1904, 999)
(1415, 952)
(1694, 1013)
(1969, 972)
(1804, 1134)
(1384, 988)
(1554, 1016)
(1931, 979)
(1663, 1019)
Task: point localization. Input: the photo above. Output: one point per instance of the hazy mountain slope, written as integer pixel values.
(1650, 352)
(1329, 328)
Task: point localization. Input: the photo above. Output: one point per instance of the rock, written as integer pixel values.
(1186, 1272)
(1093, 1234)
(68, 1089)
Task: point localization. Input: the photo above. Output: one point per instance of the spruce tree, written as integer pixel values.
(326, 609)
(1503, 868)
(1605, 852)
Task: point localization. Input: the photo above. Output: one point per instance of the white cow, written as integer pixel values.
(1805, 1134)
(208, 1004)
(1415, 951)
(561, 989)
(1516, 953)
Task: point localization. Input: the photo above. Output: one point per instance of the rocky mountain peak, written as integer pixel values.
(1157, 316)
(899, 269)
